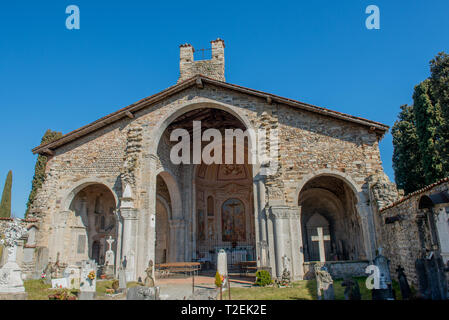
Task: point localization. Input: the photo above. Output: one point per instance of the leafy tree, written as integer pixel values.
(5, 205)
(39, 169)
(428, 121)
(407, 161)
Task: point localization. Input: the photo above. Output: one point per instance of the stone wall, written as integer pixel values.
(399, 234)
(338, 269)
(122, 152)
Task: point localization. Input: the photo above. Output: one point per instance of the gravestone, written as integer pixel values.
(142, 293)
(11, 283)
(431, 278)
(122, 275)
(88, 284)
(60, 283)
(222, 266)
(73, 275)
(325, 284)
(286, 277)
(320, 239)
(109, 259)
(403, 283)
(149, 281)
(385, 289)
(352, 289)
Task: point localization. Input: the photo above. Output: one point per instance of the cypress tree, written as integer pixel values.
(439, 80)
(5, 205)
(39, 168)
(407, 161)
(428, 121)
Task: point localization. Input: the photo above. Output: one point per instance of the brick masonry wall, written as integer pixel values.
(400, 239)
(308, 142)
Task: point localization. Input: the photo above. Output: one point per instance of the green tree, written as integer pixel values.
(39, 168)
(5, 205)
(428, 122)
(439, 80)
(407, 161)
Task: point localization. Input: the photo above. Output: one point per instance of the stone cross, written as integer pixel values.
(110, 241)
(321, 238)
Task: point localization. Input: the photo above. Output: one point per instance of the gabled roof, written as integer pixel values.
(199, 80)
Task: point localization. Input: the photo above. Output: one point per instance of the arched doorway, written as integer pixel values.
(329, 217)
(95, 220)
(225, 213)
(196, 226)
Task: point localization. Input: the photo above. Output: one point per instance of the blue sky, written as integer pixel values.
(319, 52)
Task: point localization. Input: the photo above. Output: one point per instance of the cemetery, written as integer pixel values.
(127, 223)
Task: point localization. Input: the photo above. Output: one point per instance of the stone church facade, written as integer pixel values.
(114, 177)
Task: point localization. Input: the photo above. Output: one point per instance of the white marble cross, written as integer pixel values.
(321, 238)
(110, 241)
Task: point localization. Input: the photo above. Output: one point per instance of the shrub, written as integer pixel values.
(263, 278)
(115, 285)
(218, 280)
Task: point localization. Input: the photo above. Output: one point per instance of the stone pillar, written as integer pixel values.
(368, 229)
(177, 239)
(260, 226)
(297, 259)
(441, 223)
(281, 236)
(129, 240)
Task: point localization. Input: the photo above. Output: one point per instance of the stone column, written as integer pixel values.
(367, 222)
(282, 241)
(260, 227)
(129, 240)
(442, 226)
(177, 238)
(296, 243)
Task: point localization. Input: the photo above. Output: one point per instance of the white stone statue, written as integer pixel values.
(10, 273)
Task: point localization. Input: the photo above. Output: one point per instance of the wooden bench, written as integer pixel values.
(246, 267)
(166, 269)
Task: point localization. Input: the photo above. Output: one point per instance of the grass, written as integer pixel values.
(39, 290)
(300, 290)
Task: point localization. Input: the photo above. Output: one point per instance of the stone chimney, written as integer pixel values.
(213, 68)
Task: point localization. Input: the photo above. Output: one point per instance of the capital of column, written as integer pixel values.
(279, 212)
(128, 213)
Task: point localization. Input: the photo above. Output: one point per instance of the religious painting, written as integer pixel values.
(233, 221)
(228, 172)
(201, 225)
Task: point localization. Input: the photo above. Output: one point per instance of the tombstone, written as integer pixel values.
(321, 238)
(88, 284)
(149, 281)
(385, 289)
(352, 289)
(222, 266)
(142, 293)
(11, 283)
(109, 259)
(60, 283)
(431, 280)
(286, 277)
(122, 274)
(73, 274)
(325, 284)
(403, 283)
